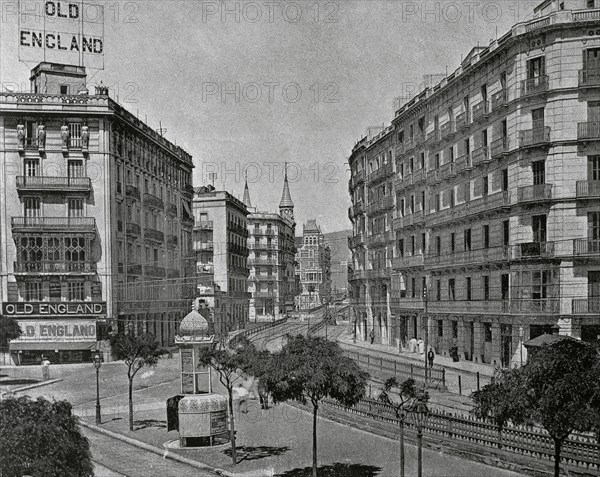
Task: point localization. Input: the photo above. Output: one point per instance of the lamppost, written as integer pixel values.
(97, 364)
(420, 414)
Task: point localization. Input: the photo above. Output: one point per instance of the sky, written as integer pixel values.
(248, 86)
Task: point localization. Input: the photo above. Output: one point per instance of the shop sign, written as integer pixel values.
(50, 331)
(53, 309)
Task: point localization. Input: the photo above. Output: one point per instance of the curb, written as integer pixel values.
(36, 385)
(166, 454)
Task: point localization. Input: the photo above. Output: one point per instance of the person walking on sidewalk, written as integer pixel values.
(430, 357)
(372, 336)
(45, 368)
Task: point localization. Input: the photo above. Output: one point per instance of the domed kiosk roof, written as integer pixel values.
(194, 327)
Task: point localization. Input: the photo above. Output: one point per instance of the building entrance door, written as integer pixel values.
(469, 340)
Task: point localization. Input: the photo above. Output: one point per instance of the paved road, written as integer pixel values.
(119, 458)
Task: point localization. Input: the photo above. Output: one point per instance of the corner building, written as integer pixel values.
(95, 220)
(476, 213)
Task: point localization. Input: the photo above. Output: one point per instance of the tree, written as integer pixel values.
(9, 330)
(229, 362)
(556, 389)
(42, 438)
(312, 369)
(136, 352)
(499, 402)
(407, 395)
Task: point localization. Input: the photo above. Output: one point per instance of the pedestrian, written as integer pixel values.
(45, 368)
(430, 356)
(372, 336)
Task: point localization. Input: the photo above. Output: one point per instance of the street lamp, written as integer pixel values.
(420, 414)
(97, 364)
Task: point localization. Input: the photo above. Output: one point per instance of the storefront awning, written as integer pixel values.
(48, 346)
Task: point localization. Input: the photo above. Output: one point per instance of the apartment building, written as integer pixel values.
(220, 245)
(272, 253)
(314, 267)
(476, 213)
(95, 218)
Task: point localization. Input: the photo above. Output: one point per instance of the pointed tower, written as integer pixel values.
(246, 199)
(286, 206)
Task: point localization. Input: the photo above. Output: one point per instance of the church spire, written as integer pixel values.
(286, 206)
(246, 199)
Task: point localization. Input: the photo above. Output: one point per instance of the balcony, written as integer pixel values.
(528, 250)
(586, 248)
(172, 240)
(418, 176)
(265, 278)
(56, 268)
(156, 272)
(462, 121)
(480, 110)
(356, 241)
(433, 136)
(153, 202)
(133, 229)
(433, 176)
(54, 224)
(534, 193)
(481, 155)
(384, 172)
(51, 184)
(447, 170)
(408, 261)
(476, 206)
(359, 207)
(134, 269)
(446, 129)
(379, 273)
(262, 262)
(406, 303)
(499, 147)
(172, 209)
(589, 131)
(589, 78)
(468, 306)
(154, 235)
(381, 205)
(262, 246)
(463, 163)
(588, 189)
(585, 306)
(172, 273)
(534, 137)
(358, 177)
(132, 192)
(499, 100)
(381, 238)
(203, 225)
(535, 305)
(534, 86)
(468, 257)
(205, 246)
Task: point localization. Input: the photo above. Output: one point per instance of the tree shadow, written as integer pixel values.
(145, 423)
(6, 382)
(336, 470)
(255, 453)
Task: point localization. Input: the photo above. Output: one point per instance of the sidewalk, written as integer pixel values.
(465, 369)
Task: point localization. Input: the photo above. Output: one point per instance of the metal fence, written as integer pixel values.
(247, 333)
(400, 369)
(580, 450)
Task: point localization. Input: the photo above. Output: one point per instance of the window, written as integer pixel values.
(75, 168)
(452, 289)
(467, 240)
(423, 242)
(536, 67)
(486, 287)
(401, 247)
(487, 332)
(539, 172)
(454, 329)
(31, 167)
(504, 179)
(486, 185)
(75, 249)
(438, 245)
(413, 287)
(76, 291)
(33, 291)
(486, 236)
(537, 118)
(55, 291)
(64, 89)
(504, 286)
(452, 242)
(484, 94)
(422, 160)
(440, 328)
(438, 290)
(539, 228)
(76, 207)
(469, 289)
(75, 135)
(506, 233)
(593, 168)
(32, 207)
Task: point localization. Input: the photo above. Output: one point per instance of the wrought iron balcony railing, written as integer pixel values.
(152, 271)
(172, 240)
(589, 78)
(534, 86)
(534, 193)
(586, 247)
(54, 224)
(408, 261)
(529, 250)
(132, 191)
(586, 306)
(588, 131)
(499, 147)
(48, 184)
(134, 269)
(480, 155)
(154, 235)
(447, 129)
(462, 121)
(204, 225)
(153, 201)
(172, 209)
(499, 99)
(534, 137)
(133, 229)
(480, 110)
(535, 305)
(54, 267)
(205, 246)
(588, 189)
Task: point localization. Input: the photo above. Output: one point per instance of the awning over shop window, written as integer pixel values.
(187, 209)
(47, 346)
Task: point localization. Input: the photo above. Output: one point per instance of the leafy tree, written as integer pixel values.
(42, 438)
(9, 330)
(500, 402)
(312, 369)
(137, 352)
(229, 363)
(407, 395)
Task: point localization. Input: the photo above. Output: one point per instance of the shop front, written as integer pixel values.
(61, 332)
